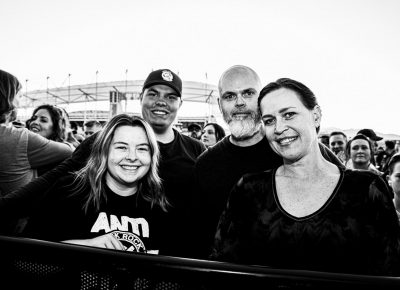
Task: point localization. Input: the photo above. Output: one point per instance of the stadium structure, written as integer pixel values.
(100, 101)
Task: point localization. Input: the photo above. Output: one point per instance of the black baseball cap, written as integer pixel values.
(164, 77)
(370, 134)
(194, 126)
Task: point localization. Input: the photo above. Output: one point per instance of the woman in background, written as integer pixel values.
(359, 150)
(22, 152)
(212, 133)
(50, 122)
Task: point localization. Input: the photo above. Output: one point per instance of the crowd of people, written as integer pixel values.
(268, 193)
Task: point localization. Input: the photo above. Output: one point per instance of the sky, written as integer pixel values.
(346, 51)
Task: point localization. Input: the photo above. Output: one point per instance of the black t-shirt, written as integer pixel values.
(217, 170)
(131, 219)
(177, 172)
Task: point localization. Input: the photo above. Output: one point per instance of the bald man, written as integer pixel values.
(245, 150)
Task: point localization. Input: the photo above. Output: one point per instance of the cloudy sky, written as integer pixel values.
(346, 51)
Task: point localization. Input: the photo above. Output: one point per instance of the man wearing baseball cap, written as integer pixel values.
(370, 134)
(160, 100)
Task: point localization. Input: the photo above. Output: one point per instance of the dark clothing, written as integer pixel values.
(385, 161)
(176, 169)
(62, 216)
(217, 171)
(355, 231)
(177, 173)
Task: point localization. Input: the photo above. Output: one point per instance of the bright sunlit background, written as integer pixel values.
(346, 51)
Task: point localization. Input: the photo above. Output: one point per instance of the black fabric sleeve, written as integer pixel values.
(384, 229)
(227, 243)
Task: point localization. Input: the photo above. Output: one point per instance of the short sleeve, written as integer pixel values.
(42, 152)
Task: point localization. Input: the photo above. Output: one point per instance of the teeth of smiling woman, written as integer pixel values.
(159, 112)
(129, 167)
(285, 141)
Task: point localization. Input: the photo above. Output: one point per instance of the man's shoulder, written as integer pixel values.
(218, 151)
(188, 141)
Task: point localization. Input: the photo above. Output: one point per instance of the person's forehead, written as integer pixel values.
(42, 112)
(359, 142)
(209, 127)
(162, 89)
(129, 133)
(338, 137)
(237, 82)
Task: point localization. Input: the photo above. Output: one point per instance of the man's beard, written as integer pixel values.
(245, 128)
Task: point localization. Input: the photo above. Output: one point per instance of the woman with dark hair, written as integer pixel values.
(308, 213)
(116, 201)
(359, 151)
(50, 122)
(22, 152)
(212, 133)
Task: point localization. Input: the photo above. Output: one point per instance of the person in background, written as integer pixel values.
(393, 179)
(307, 214)
(50, 122)
(194, 131)
(379, 157)
(359, 151)
(212, 133)
(245, 150)
(91, 127)
(77, 131)
(389, 152)
(22, 151)
(373, 139)
(324, 139)
(115, 201)
(337, 143)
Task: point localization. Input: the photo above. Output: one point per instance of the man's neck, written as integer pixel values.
(246, 142)
(165, 136)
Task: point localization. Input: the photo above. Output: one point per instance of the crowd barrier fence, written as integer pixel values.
(36, 264)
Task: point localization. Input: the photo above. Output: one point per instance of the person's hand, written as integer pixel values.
(107, 241)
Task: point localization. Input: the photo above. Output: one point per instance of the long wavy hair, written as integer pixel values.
(93, 174)
(58, 117)
(9, 88)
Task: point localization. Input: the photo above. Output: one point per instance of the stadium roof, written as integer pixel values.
(191, 92)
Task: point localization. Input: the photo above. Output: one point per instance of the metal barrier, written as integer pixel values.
(35, 264)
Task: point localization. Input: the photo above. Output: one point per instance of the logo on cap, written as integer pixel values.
(167, 75)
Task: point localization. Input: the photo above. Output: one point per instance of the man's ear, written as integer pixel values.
(141, 97)
(219, 104)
